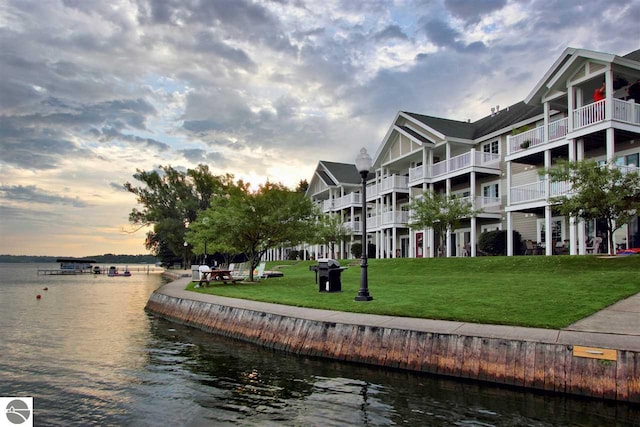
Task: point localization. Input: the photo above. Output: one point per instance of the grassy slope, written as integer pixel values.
(537, 291)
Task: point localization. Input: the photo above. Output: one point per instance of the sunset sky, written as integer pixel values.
(90, 91)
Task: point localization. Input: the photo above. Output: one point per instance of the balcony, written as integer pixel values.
(535, 137)
(537, 191)
(395, 218)
(348, 200)
(353, 226)
(587, 115)
(389, 184)
(465, 161)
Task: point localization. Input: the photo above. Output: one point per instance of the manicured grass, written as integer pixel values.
(535, 291)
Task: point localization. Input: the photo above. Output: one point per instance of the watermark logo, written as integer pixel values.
(16, 411)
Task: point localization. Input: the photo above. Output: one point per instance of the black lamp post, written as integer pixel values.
(363, 164)
(185, 255)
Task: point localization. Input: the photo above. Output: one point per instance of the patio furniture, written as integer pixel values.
(595, 247)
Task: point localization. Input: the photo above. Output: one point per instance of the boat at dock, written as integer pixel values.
(69, 266)
(113, 272)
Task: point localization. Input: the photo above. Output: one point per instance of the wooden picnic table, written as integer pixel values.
(223, 276)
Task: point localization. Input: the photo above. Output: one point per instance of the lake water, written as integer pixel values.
(89, 354)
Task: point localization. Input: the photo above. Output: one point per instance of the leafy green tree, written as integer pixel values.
(171, 200)
(440, 212)
(330, 230)
(254, 222)
(598, 192)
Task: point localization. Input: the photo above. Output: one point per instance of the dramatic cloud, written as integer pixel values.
(93, 90)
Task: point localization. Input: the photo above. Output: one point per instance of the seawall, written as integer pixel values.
(525, 357)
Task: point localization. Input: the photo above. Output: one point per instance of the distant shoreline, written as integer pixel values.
(99, 259)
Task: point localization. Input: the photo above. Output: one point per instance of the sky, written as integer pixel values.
(91, 91)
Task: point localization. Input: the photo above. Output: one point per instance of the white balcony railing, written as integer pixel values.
(534, 137)
(417, 173)
(558, 129)
(347, 200)
(538, 191)
(353, 226)
(327, 205)
(589, 114)
(466, 160)
(395, 217)
(395, 182)
(626, 111)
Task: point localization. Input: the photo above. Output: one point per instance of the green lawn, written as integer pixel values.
(536, 291)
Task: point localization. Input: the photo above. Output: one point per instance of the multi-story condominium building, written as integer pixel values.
(498, 164)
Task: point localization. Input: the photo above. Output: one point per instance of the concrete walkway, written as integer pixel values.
(615, 327)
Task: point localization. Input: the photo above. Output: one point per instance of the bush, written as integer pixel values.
(356, 250)
(495, 242)
(293, 255)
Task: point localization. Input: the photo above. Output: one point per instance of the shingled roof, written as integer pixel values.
(345, 173)
(485, 126)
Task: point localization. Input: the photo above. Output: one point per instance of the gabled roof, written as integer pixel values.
(343, 173)
(453, 128)
(505, 118)
(569, 61)
(634, 56)
(485, 126)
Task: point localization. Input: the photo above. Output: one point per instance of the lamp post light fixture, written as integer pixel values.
(185, 255)
(363, 164)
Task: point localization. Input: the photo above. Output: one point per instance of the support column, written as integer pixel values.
(474, 236)
(509, 234)
(547, 208)
(611, 146)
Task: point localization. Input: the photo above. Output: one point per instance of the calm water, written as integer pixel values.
(90, 355)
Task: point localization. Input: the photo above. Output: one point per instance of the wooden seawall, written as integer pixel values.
(559, 367)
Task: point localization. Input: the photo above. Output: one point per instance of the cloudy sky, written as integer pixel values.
(92, 90)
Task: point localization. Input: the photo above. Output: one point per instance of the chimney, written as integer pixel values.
(493, 111)
(497, 108)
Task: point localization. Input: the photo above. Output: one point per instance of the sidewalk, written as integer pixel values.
(615, 327)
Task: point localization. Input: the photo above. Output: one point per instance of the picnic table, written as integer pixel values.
(223, 276)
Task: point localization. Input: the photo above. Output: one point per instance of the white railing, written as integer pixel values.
(439, 168)
(589, 114)
(528, 192)
(354, 226)
(327, 205)
(488, 202)
(537, 191)
(486, 159)
(417, 173)
(372, 222)
(395, 217)
(347, 200)
(466, 160)
(372, 191)
(395, 182)
(534, 137)
(558, 129)
(626, 111)
(524, 140)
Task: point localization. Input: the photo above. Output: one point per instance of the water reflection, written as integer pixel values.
(243, 384)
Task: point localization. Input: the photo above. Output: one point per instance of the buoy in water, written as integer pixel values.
(45, 289)
(38, 296)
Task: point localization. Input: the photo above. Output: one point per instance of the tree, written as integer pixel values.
(254, 222)
(440, 212)
(303, 186)
(171, 200)
(598, 192)
(330, 230)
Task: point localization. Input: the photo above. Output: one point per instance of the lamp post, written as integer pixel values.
(363, 164)
(185, 255)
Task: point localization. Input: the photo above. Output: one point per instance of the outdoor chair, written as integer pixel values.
(595, 248)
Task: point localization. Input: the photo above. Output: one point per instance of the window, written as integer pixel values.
(557, 229)
(492, 147)
(490, 227)
(491, 190)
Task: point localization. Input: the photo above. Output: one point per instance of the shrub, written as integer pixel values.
(495, 242)
(356, 250)
(293, 255)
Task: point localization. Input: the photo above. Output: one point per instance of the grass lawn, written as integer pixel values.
(536, 291)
